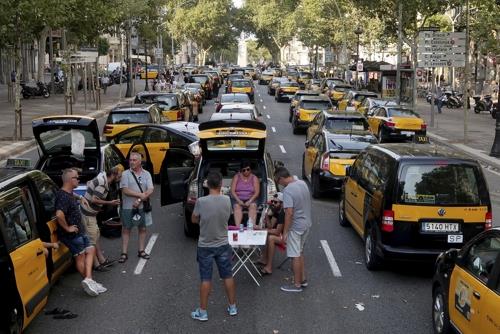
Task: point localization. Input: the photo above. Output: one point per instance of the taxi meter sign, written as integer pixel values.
(440, 49)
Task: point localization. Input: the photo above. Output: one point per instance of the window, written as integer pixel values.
(130, 137)
(154, 135)
(129, 118)
(346, 125)
(47, 192)
(16, 223)
(111, 158)
(481, 257)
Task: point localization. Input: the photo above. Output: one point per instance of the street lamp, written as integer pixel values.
(358, 32)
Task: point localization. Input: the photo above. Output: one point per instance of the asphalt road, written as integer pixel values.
(160, 298)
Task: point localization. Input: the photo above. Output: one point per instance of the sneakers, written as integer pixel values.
(304, 283)
(89, 287)
(232, 310)
(291, 288)
(200, 315)
(92, 288)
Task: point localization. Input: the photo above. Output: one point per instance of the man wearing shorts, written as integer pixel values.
(71, 231)
(96, 196)
(297, 205)
(212, 212)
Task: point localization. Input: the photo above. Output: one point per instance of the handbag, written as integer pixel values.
(146, 205)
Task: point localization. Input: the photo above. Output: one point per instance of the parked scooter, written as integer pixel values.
(453, 100)
(40, 90)
(484, 104)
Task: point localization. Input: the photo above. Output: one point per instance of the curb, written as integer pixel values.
(486, 160)
(18, 148)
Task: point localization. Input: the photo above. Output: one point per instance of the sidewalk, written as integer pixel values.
(449, 130)
(54, 105)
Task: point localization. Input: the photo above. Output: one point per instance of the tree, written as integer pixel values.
(256, 53)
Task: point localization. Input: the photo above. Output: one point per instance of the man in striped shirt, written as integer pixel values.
(96, 196)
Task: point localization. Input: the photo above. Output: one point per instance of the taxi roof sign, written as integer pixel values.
(18, 163)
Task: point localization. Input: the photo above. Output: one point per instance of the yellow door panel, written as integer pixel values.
(310, 155)
(373, 122)
(463, 303)
(354, 195)
(31, 277)
(124, 148)
(61, 257)
(342, 105)
(490, 313)
(157, 153)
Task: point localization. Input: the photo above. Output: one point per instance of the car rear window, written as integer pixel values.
(305, 75)
(346, 124)
(232, 144)
(402, 112)
(129, 118)
(238, 98)
(289, 84)
(440, 184)
(241, 84)
(200, 80)
(315, 105)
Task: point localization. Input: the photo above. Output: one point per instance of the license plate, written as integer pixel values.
(440, 227)
(408, 133)
(455, 238)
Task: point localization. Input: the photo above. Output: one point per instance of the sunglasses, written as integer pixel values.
(275, 202)
(246, 169)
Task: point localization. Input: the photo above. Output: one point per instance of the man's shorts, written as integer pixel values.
(295, 243)
(128, 223)
(76, 245)
(90, 223)
(222, 256)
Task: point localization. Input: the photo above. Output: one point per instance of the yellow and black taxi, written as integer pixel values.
(304, 78)
(466, 287)
(242, 86)
(27, 269)
(196, 88)
(174, 106)
(342, 122)
(151, 71)
(371, 103)
(353, 99)
(294, 101)
(285, 90)
(307, 109)
(234, 76)
(327, 156)
(292, 74)
(153, 141)
(314, 84)
(265, 77)
(336, 91)
(275, 81)
(277, 72)
(412, 202)
(396, 123)
(205, 80)
(223, 144)
(326, 83)
(125, 116)
(250, 73)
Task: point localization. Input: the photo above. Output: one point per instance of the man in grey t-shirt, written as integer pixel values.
(212, 212)
(297, 205)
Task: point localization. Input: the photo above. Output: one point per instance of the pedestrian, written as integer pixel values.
(297, 205)
(71, 231)
(105, 83)
(137, 186)
(439, 98)
(274, 221)
(13, 76)
(163, 84)
(212, 212)
(96, 194)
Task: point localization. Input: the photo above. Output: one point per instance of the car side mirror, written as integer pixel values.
(306, 144)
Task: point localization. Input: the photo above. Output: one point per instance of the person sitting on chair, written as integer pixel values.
(274, 220)
(245, 189)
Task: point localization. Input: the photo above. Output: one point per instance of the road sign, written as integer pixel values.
(158, 53)
(359, 66)
(438, 49)
(84, 57)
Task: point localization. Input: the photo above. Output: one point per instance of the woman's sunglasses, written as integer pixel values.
(246, 169)
(275, 202)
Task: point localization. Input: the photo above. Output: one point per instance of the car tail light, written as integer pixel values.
(180, 115)
(325, 161)
(281, 90)
(387, 221)
(193, 191)
(423, 126)
(108, 129)
(390, 124)
(488, 220)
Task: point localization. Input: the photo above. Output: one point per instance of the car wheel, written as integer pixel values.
(381, 137)
(440, 317)
(15, 324)
(291, 116)
(372, 259)
(46, 94)
(315, 186)
(342, 219)
(296, 131)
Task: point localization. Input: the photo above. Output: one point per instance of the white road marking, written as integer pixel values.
(273, 128)
(282, 148)
(331, 259)
(268, 117)
(264, 107)
(149, 247)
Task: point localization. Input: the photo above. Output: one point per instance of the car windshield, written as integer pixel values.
(306, 75)
(232, 144)
(237, 98)
(200, 80)
(289, 84)
(129, 118)
(439, 184)
(241, 84)
(315, 105)
(341, 89)
(346, 124)
(54, 140)
(402, 113)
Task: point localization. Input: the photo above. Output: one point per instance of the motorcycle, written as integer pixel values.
(454, 100)
(58, 87)
(494, 110)
(484, 104)
(40, 90)
(428, 97)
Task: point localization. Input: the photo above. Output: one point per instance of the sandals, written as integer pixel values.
(123, 258)
(264, 272)
(142, 254)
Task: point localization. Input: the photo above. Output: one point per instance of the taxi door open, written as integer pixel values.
(355, 196)
(30, 283)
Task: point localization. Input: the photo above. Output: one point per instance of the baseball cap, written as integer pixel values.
(278, 196)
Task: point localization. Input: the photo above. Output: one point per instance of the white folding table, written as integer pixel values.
(248, 242)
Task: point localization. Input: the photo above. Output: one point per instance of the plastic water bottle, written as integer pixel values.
(250, 224)
(242, 228)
